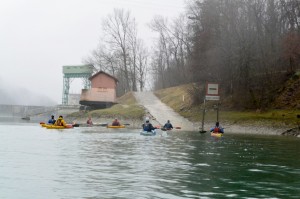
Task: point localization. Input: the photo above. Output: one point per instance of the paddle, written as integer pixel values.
(166, 129)
(75, 125)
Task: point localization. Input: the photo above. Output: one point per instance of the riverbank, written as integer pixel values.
(246, 128)
(272, 121)
(129, 111)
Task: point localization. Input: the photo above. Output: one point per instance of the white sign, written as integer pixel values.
(210, 97)
(212, 91)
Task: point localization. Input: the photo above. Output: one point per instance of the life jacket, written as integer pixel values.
(217, 129)
(147, 127)
(115, 123)
(60, 122)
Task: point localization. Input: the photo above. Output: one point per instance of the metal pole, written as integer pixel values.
(218, 112)
(203, 115)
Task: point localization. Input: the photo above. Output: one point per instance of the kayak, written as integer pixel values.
(45, 125)
(165, 129)
(216, 134)
(148, 133)
(116, 127)
(90, 125)
(59, 127)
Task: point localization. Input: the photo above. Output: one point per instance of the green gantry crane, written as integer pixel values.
(83, 72)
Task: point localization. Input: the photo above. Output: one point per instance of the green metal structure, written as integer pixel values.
(83, 72)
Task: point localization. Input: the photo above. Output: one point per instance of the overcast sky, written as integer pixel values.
(38, 37)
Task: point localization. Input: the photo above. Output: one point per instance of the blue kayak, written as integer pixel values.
(148, 133)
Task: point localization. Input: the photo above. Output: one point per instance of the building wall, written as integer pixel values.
(98, 94)
(103, 81)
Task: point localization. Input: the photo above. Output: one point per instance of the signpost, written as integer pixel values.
(212, 93)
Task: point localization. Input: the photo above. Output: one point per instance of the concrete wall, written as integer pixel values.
(98, 94)
(74, 99)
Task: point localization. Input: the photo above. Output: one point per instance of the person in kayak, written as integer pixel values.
(116, 123)
(51, 120)
(60, 122)
(147, 126)
(89, 121)
(168, 125)
(217, 129)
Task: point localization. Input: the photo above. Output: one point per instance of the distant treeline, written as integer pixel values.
(249, 46)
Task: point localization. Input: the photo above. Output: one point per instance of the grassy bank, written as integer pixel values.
(126, 109)
(178, 99)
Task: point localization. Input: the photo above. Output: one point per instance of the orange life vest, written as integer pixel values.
(216, 129)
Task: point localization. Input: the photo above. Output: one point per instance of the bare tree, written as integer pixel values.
(121, 52)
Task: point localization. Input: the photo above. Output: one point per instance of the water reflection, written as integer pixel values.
(112, 163)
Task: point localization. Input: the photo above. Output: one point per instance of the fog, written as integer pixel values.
(11, 95)
(38, 37)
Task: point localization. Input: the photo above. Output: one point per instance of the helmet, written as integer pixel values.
(147, 119)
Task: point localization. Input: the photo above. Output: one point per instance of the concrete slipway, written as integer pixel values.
(159, 112)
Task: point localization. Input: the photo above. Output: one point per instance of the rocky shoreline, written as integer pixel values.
(292, 132)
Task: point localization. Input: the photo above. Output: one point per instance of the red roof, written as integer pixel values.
(96, 74)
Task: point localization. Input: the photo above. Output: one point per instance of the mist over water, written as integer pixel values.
(20, 96)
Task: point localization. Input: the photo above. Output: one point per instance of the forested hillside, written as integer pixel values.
(250, 47)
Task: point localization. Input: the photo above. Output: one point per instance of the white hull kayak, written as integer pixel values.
(148, 133)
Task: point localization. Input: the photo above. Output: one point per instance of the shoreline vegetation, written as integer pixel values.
(271, 122)
(127, 111)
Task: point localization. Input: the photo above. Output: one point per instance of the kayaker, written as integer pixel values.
(168, 125)
(52, 120)
(116, 122)
(147, 126)
(89, 121)
(217, 129)
(60, 122)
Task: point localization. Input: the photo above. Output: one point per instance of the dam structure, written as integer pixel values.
(28, 112)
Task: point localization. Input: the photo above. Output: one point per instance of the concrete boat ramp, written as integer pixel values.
(159, 112)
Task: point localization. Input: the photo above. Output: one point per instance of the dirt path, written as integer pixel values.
(160, 112)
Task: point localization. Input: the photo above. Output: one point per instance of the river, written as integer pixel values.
(95, 162)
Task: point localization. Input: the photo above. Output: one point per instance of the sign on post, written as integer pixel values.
(212, 91)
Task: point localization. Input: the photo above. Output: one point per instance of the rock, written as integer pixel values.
(292, 132)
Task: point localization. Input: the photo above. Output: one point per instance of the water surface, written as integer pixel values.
(119, 163)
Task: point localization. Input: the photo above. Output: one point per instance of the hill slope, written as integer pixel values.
(289, 94)
(173, 97)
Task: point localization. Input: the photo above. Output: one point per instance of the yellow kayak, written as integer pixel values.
(116, 127)
(44, 125)
(59, 127)
(216, 134)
